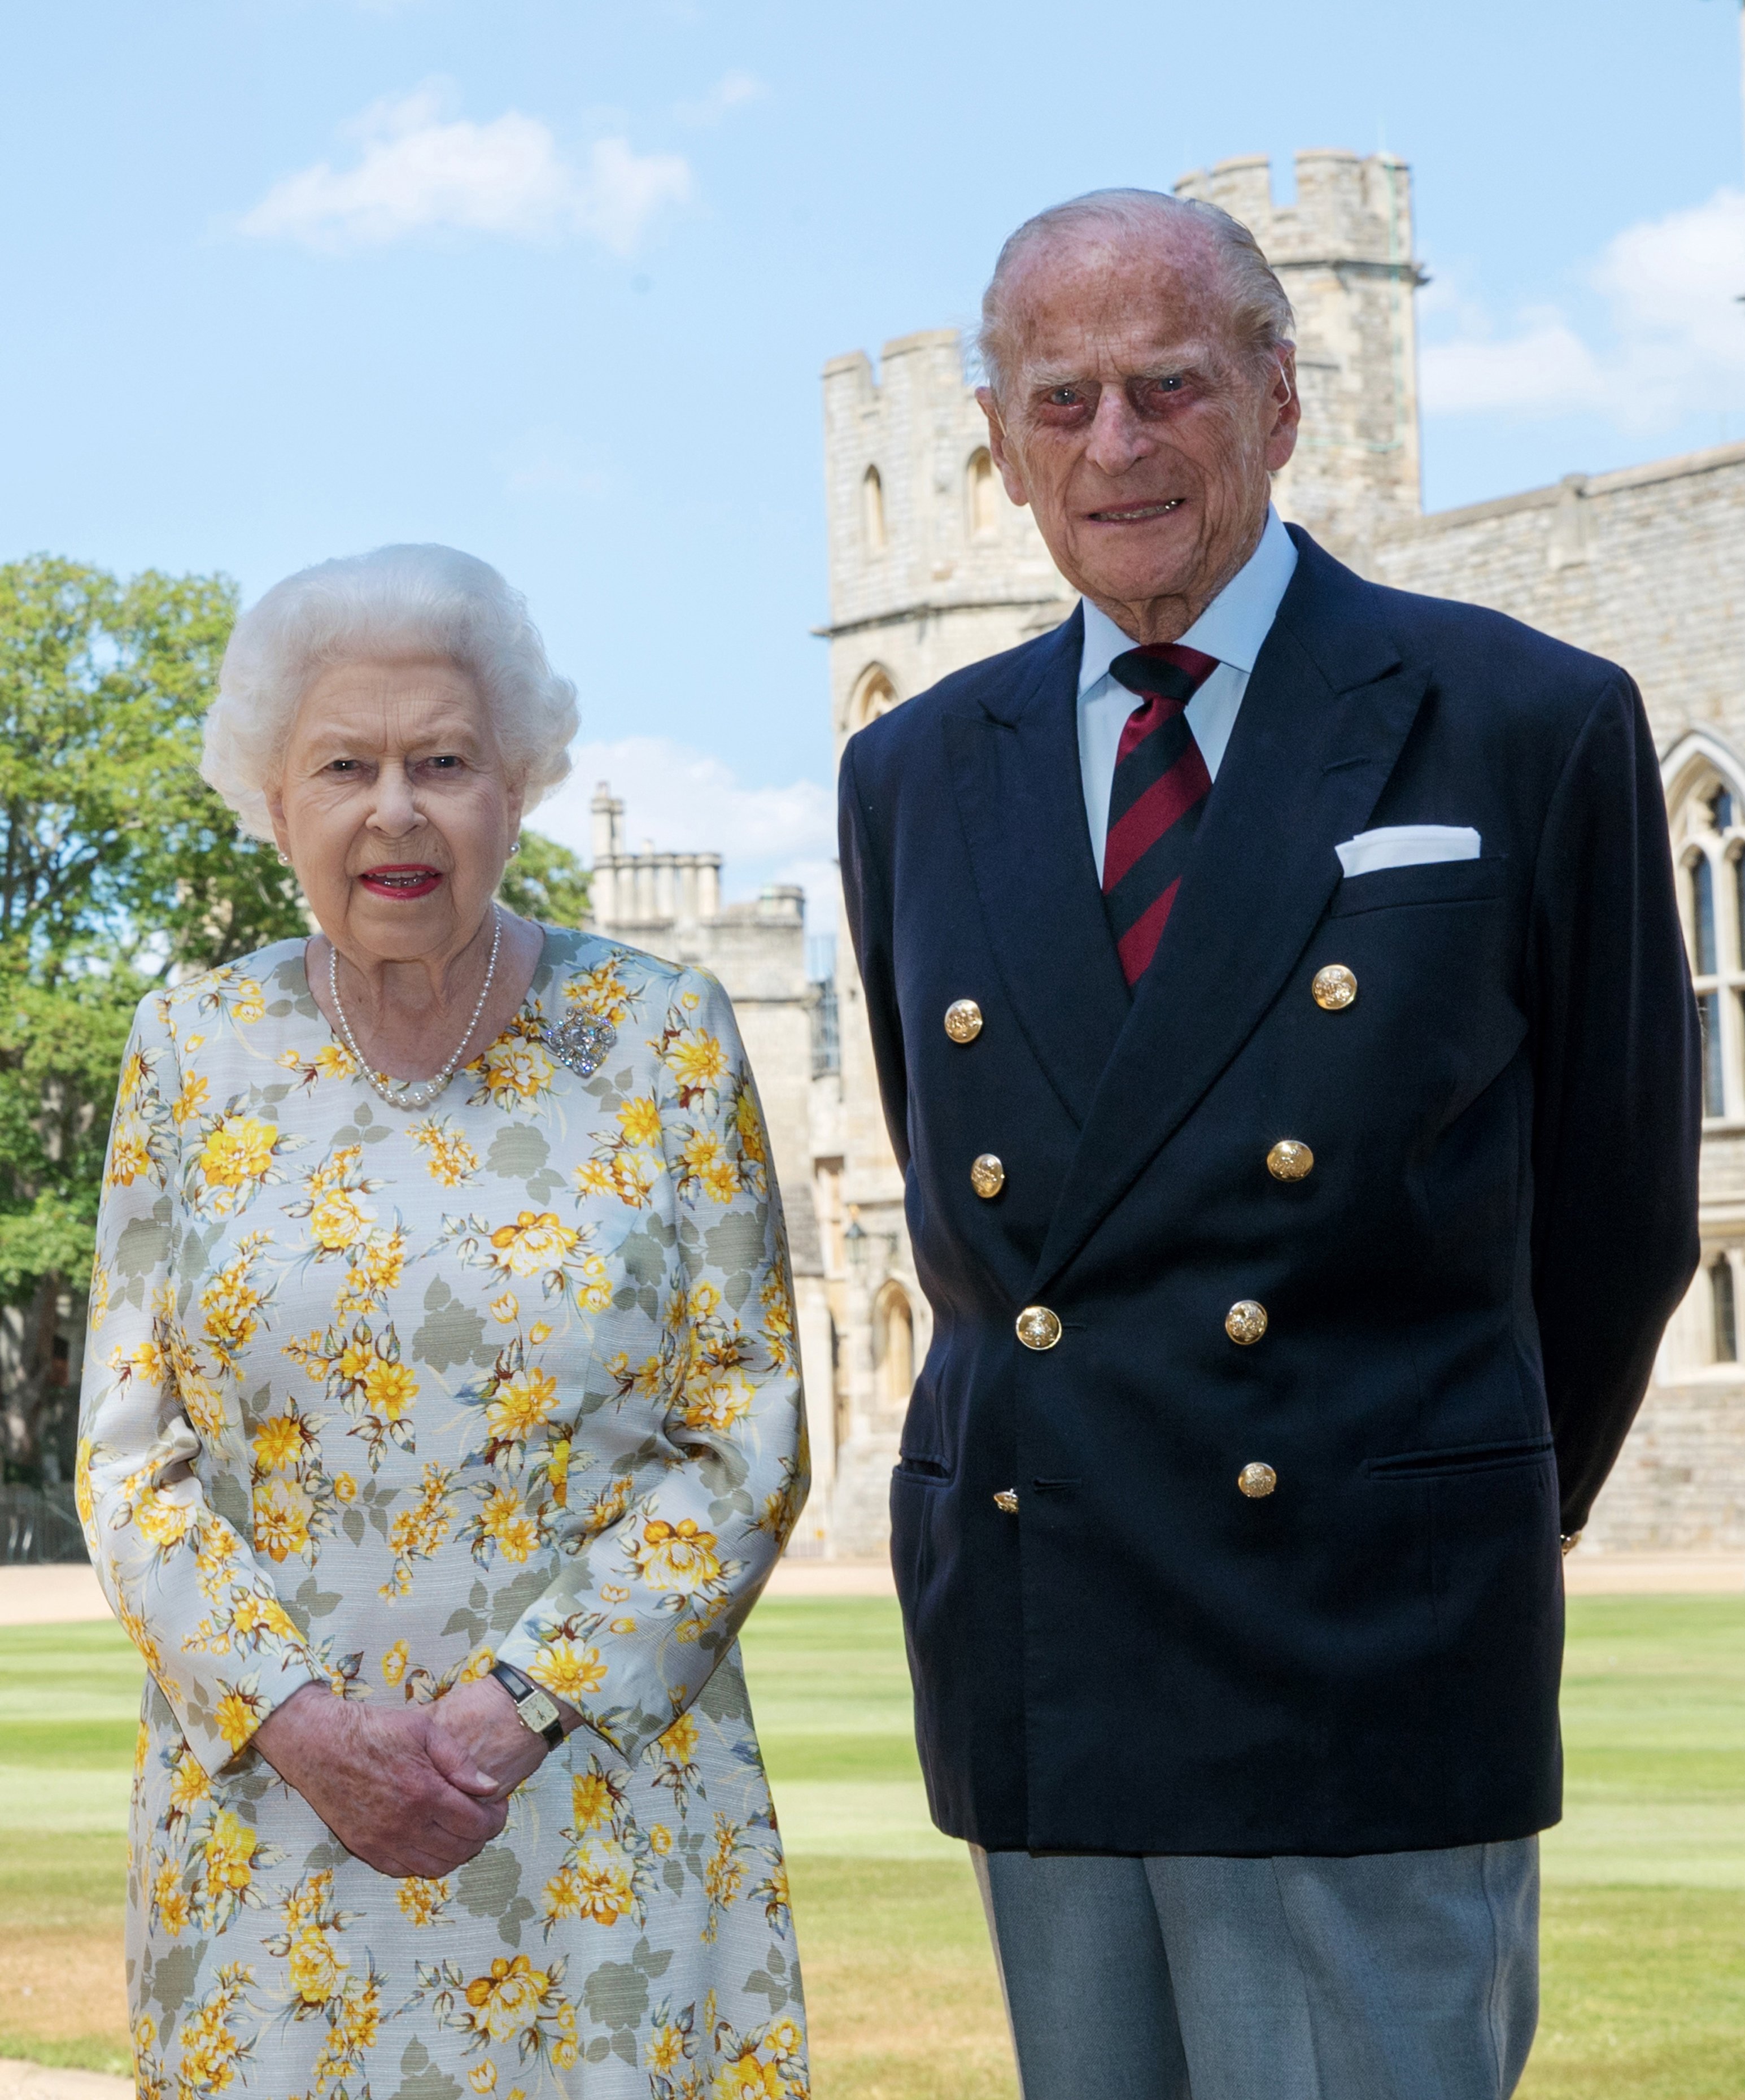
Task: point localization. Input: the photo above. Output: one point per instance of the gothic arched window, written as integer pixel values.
(983, 493)
(874, 695)
(1722, 1304)
(896, 1338)
(872, 511)
(1708, 841)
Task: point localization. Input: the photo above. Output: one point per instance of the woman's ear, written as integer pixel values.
(275, 810)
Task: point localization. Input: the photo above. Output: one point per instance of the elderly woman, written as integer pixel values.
(443, 1422)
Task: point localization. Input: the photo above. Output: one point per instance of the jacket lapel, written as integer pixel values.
(1326, 710)
(1014, 768)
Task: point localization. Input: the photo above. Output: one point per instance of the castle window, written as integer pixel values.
(874, 695)
(872, 511)
(895, 1335)
(1726, 1320)
(984, 496)
(1709, 839)
(1702, 914)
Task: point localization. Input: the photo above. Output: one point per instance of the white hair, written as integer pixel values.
(397, 603)
(1258, 309)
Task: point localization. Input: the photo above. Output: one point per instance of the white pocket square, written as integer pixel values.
(1406, 846)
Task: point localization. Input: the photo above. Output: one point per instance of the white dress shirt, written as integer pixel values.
(1231, 628)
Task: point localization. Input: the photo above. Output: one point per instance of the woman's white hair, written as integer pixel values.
(397, 603)
(1257, 306)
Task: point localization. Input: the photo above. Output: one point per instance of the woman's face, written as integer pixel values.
(395, 808)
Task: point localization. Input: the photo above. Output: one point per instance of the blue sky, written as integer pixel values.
(554, 282)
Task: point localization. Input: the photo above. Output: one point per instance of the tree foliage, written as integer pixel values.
(119, 868)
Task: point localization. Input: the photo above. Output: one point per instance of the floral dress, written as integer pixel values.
(374, 1396)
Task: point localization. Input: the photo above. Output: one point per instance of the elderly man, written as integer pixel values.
(1285, 1030)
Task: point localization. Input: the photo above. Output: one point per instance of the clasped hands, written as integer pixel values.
(410, 1790)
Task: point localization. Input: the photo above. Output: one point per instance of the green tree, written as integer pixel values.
(545, 881)
(118, 866)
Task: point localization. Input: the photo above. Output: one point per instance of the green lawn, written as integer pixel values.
(1645, 1896)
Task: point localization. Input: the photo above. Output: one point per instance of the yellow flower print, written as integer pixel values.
(660, 1840)
(639, 1119)
(598, 1887)
(513, 1071)
(784, 2038)
(540, 1332)
(169, 1900)
(99, 1296)
(567, 1671)
(159, 1518)
(136, 1075)
(188, 1784)
(316, 1968)
(282, 1441)
(521, 1404)
(422, 1900)
(593, 1804)
(417, 1533)
(557, 1470)
(238, 1714)
(505, 1308)
(705, 1162)
(717, 1403)
(602, 992)
(345, 1488)
(129, 1150)
(247, 1004)
(697, 1060)
(191, 1102)
(483, 2077)
(749, 1124)
(535, 1242)
(678, 1743)
(229, 1854)
(666, 2050)
(393, 1663)
(333, 1061)
(339, 1221)
(679, 1557)
(507, 1525)
(746, 2079)
(389, 1389)
(450, 1158)
(282, 1511)
(238, 1152)
(508, 2002)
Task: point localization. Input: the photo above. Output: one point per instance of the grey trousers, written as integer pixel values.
(1397, 1976)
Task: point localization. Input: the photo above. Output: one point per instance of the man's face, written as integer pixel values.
(1140, 433)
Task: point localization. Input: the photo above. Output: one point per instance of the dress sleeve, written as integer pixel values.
(179, 1575)
(659, 1573)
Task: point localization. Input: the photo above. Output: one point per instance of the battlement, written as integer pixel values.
(1349, 210)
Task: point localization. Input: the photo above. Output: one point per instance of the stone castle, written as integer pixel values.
(932, 567)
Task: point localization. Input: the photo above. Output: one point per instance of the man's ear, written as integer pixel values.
(1287, 408)
(1004, 458)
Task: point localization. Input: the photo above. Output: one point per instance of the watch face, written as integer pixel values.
(538, 1711)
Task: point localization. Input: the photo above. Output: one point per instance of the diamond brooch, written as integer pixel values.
(580, 1042)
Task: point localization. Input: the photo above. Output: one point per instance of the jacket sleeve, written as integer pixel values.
(179, 1572)
(866, 897)
(1618, 1102)
(658, 1571)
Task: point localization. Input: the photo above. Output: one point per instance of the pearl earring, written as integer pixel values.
(514, 849)
(285, 860)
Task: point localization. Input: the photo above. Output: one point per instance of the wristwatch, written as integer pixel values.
(536, 1709)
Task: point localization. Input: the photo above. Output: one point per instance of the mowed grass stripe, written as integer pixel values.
(1645, 1907)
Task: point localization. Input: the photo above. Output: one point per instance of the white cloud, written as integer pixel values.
(1676, 337)
(679, 798)
(418, 172)
(731, 90)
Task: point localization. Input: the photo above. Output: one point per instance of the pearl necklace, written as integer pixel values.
(414, 1093)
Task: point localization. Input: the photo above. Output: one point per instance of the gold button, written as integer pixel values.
(963, 1021)
(1245, 1321)
(1007, 1500)
(987, 1176)
(1256, 1481)
(1040, 1329)
(1333, 987)
(1290, 1160)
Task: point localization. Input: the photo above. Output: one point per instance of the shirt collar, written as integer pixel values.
(1232, 627)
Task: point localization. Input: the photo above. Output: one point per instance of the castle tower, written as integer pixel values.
(1343, 253)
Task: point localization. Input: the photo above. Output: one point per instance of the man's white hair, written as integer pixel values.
(1258, 310)
(396, 603)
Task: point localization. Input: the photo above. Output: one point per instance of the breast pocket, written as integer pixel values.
(1431, 882)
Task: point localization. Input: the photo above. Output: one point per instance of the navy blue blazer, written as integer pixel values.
(1464, 1296)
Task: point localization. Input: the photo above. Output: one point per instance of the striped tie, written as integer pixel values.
(1160, 787)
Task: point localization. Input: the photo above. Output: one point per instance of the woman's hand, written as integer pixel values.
(485, 1730)
(397, 1789)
